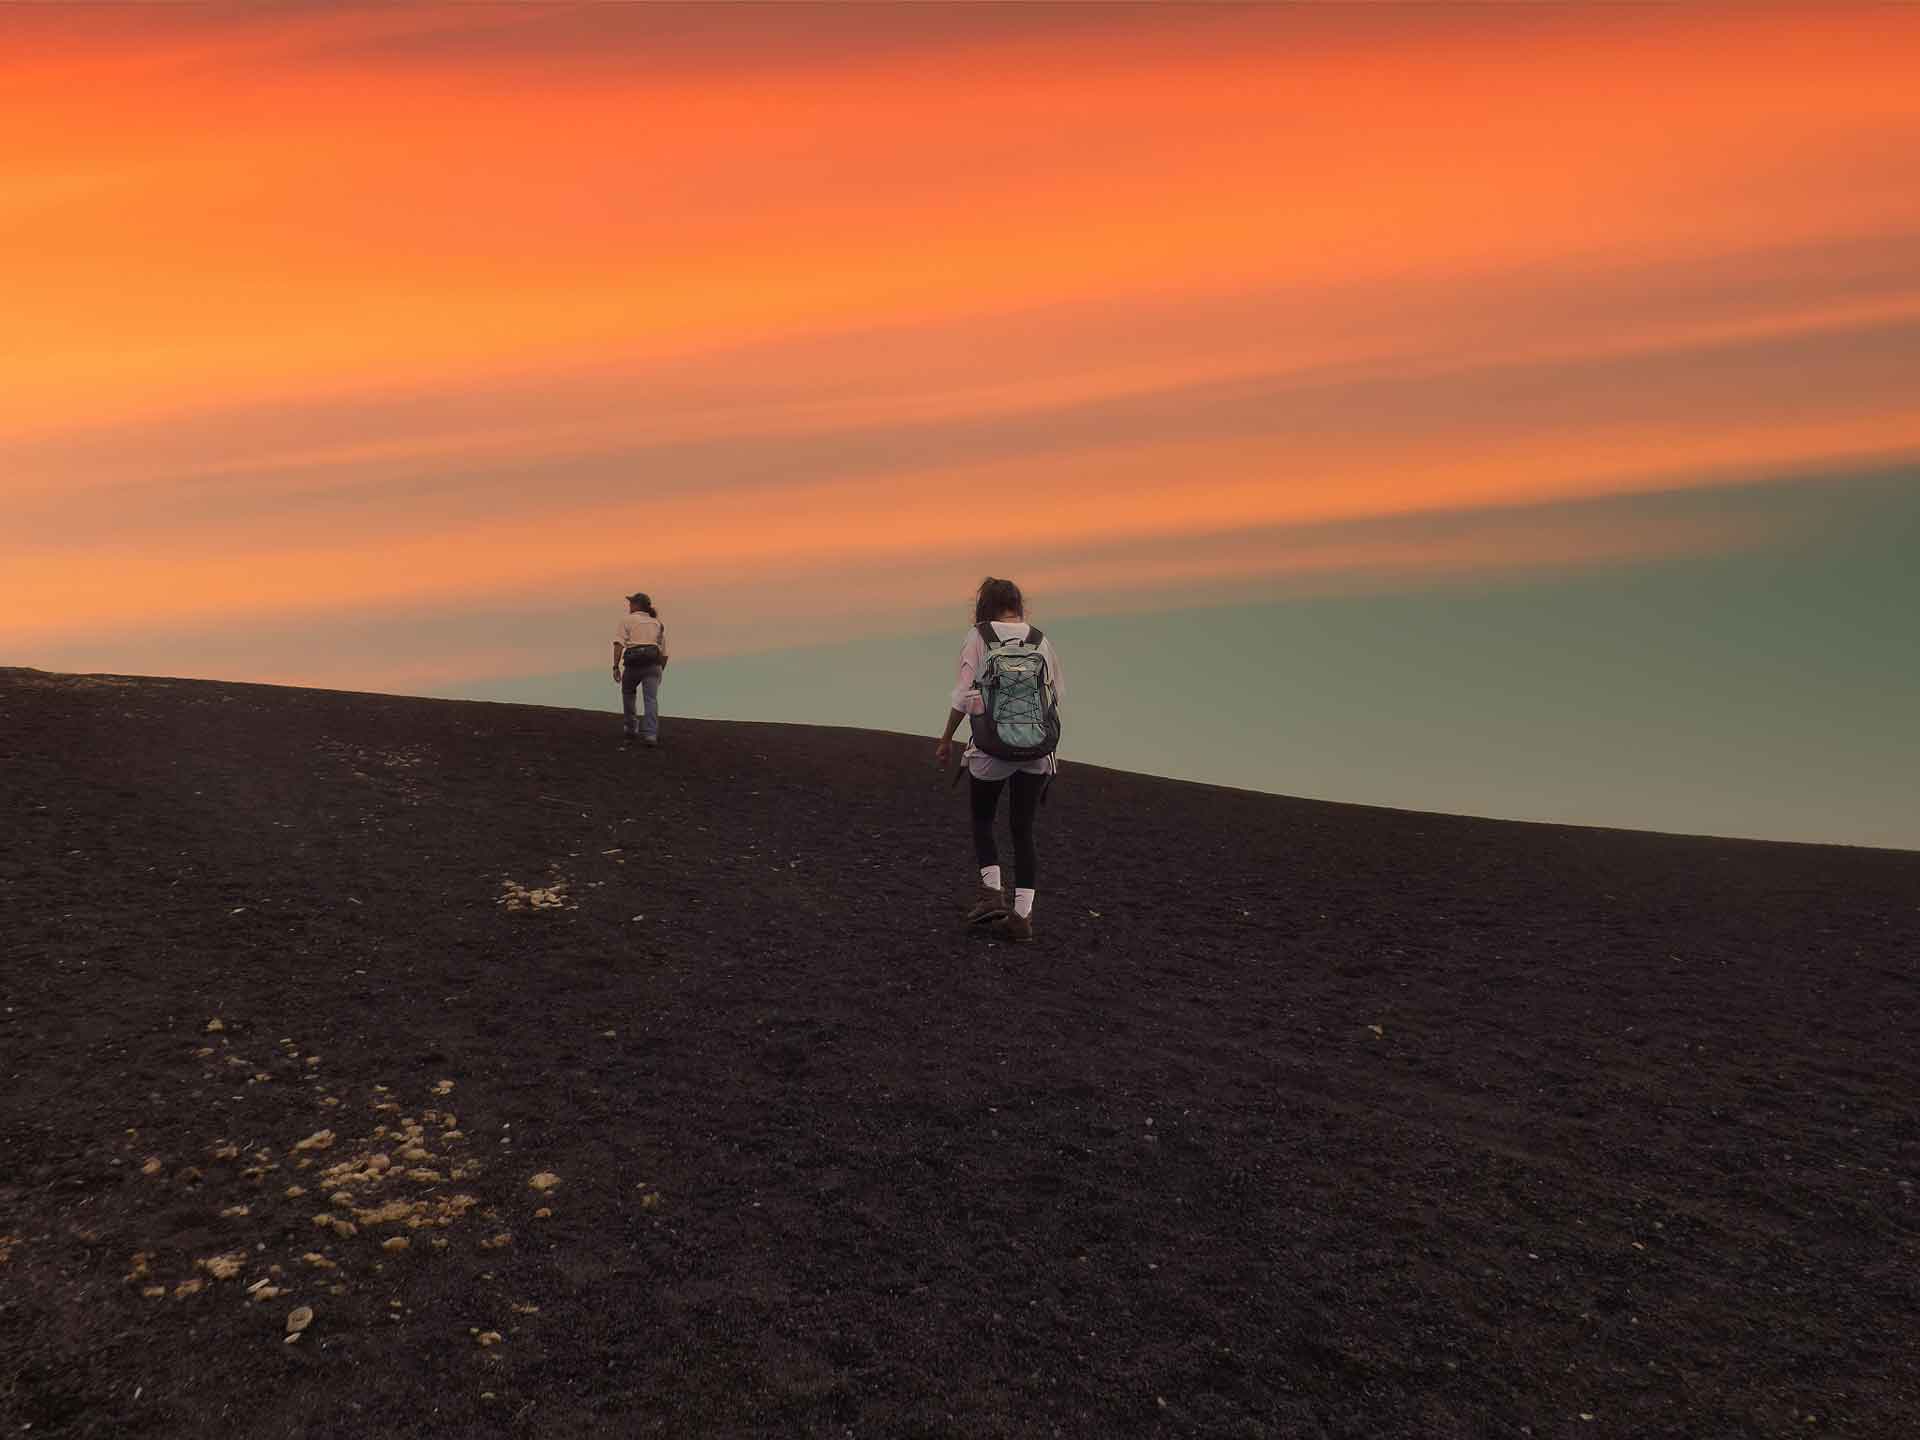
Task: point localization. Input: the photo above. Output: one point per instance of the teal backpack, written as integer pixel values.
(1019, 718)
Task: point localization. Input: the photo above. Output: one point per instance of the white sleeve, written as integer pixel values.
(1053, 668)
(964, 697)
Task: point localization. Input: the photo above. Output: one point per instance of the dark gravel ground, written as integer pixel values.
(1298, 1119)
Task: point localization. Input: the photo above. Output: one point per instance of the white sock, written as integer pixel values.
(990, 876)
(1022, 901)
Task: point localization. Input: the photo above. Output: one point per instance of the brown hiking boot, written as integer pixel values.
(1014, 927)
(990, 906)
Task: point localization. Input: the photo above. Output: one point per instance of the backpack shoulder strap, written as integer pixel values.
(1034, 637)
(987, 637)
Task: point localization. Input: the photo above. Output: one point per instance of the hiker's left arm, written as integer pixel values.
(963, 694)
(965, 698)
(943, 751)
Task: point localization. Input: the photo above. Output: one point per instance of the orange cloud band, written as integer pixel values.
(791, 312)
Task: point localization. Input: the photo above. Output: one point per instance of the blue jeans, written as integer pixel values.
(648, 682)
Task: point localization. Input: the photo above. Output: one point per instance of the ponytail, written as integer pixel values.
(996, 598)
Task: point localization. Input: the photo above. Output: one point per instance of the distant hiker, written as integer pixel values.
(1009, 692)
(639, 658)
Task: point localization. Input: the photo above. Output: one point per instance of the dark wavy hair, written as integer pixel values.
(996, 598)
(645, 603)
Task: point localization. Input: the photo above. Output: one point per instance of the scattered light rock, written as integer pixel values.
(342, 1198)
(319, 1140)
(515, 896)
(223, 1267)
(445, 1087)
(1377, 1030)
(215, 1025)
(298, 1319)
(527, 1309)
(154, 1292)
(395, 1245)
(545, 1180)
(139, 1263)
(543, 1213)
(424, 1177)
(294, 1192)
(268, 1292)
(505, 1237)
(153, 1166)
(489, 1338)
(234, 1212)
(441, 1211)
(188, 1287)
(318, 1261)
(226, 1151)
(385, 1213)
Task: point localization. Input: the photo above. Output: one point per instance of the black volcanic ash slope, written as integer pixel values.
(1299, 1119)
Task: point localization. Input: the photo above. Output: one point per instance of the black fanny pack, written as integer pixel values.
(642, 657)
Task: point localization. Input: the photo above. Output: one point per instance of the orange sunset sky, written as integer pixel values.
(321, 315)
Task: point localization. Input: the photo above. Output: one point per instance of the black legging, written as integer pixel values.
(1026, 799)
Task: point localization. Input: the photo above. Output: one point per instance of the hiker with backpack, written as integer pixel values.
(1009, 693)
(639, 660)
